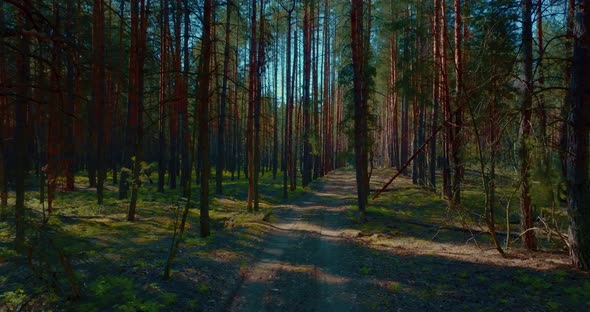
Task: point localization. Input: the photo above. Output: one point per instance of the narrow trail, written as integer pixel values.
(308, 264)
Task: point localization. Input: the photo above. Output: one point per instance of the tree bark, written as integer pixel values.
(359, 61)
(458, 114)
(162, 99)
(525, 127)
(223, 103)
(203, 93)
(139, 17)
(184, 129)
(578, 141)
(253, 72)
(287, 156)
(307, 31)
(4, 118)
(21, 126)
(98, 73)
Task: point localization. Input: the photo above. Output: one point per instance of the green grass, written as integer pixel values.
(100, 242)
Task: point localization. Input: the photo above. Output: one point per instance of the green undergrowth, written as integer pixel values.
(404, 201)
(117, 264)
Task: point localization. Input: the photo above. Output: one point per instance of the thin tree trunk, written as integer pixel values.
(287, 156)
(315, 151)
(173, 119)
(162, 103)
(525, 127)
(326, 108)
(69, 144)
(435, 92)
(458, 118)
(4, 118)
(184, 129)
(98, 73)
(21, 127)
(253, 72)
(222, 107)
(294, 113)
(445, 102)
(307, 31)
(275, 129)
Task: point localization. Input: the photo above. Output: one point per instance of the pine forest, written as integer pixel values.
(294, 155)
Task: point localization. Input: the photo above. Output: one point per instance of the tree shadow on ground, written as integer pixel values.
(324, 274)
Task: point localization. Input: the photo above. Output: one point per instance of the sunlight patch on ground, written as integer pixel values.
(223, 255)
(468, 252)
(314, 228)
(266, 270)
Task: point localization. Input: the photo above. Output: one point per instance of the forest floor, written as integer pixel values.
(318, 258)
(308, 254)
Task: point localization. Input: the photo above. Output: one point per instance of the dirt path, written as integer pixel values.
(312, 260)
(308, 264)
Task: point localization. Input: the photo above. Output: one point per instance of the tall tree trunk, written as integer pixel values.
(173, 118)
(203, 93)
(4, 118)
(294, 113)
(55, 115)
(578, 142)
(70, 102)
(130, 133)
(21, 126)
(178, 92)
(98, 75)
(253, 72)
(525, 127)
(222, 107)
(395, 149)
(162, 99)
(118, 151)
(435, 93)
(315, 151)
(445, 102)
(563, 129)
(359, 61)
(258, 103)
(91, 135)
(458, 114)
(275, 129)
(287, 156)
(541, 111)
(307, 31)
(139, 17)
(326, 97)
(184, 129)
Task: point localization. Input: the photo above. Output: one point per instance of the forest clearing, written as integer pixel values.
(330, 155)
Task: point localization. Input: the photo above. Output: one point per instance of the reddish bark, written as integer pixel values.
(359, 62)
(203, 98)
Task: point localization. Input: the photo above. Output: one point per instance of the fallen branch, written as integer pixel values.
(407, 164)
(450, 228)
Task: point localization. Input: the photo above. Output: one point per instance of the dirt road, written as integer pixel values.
(312, 260)
(308, 264)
